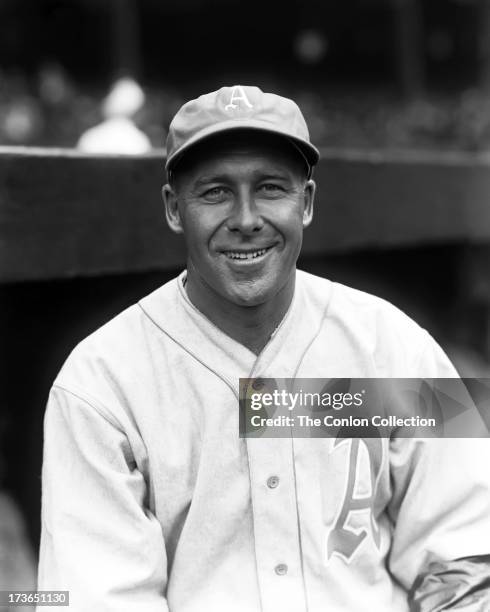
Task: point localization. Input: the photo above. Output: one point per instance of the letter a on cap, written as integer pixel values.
(237, 93)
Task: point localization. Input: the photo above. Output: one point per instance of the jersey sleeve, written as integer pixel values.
(99, 540)
(463, 584)
(440, 509)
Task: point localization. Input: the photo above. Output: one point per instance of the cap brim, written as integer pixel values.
(311, 153)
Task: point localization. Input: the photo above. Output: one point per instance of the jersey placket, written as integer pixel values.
(275, 520)
(271, 461)
(273, 486)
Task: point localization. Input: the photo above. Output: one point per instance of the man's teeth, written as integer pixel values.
(242, 255)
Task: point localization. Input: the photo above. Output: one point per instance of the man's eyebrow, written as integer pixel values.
(274, 176)
(211, 178)
(262, 175)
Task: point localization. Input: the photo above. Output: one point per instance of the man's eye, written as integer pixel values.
(271, 189)
(215, 194)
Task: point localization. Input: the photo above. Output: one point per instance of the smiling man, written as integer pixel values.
(242, 255)
(152, 502)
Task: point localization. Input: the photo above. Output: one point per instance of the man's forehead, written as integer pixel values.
(240, 165)
(252, 156)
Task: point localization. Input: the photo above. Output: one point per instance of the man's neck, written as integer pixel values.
(251, 326)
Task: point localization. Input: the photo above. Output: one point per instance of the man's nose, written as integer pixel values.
(245, 216)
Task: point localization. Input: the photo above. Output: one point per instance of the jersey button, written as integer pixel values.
(258, 384)
(281, 569)
(273, 482)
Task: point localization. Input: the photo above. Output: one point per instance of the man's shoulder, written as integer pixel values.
(118, 343)
(347, 302)
(371, 326)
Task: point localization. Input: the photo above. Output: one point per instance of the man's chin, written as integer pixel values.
(250, 294)
(248, 301)
(248, 297)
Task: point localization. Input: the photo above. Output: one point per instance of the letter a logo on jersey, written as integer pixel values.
(237, 95)
(343, 540)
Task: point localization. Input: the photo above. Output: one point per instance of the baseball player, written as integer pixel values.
(152, 501)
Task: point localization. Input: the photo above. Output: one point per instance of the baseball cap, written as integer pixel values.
(238, 107)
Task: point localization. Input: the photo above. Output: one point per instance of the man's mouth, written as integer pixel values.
(246, 254)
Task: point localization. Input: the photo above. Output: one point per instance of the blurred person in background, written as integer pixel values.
(118, 134)
(21, 116)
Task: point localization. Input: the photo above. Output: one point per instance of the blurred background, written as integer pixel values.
(396, 94)
(384, 73)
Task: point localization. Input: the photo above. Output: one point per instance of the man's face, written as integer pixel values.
(242, 204)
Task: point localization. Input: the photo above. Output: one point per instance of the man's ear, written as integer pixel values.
(309, 194)
(172, 209)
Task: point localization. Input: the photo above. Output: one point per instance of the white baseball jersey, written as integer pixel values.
(152, 502)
